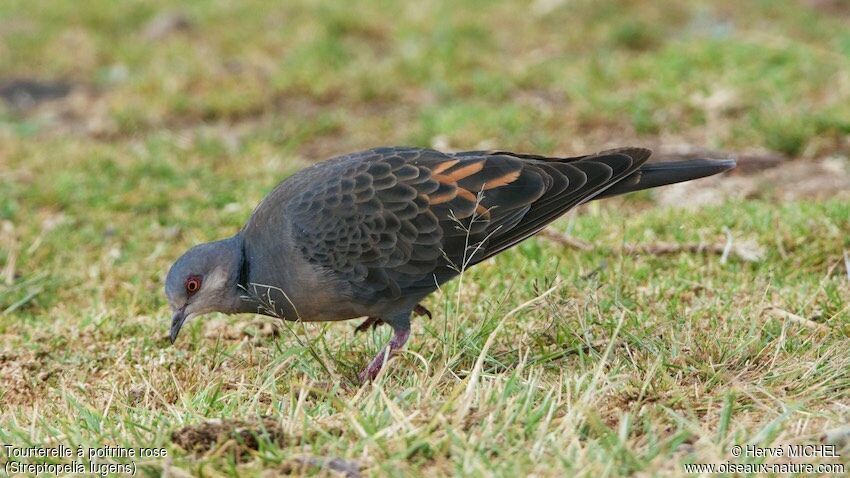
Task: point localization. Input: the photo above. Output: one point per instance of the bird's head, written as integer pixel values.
(203, 280)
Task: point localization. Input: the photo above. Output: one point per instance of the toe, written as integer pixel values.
(421, 310)
(369, 323)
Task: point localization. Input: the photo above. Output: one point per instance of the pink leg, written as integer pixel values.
(396, 343)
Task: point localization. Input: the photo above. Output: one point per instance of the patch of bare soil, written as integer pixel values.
(59, 107)
(242, 436)
(25, 376)
(239, 437)
(829, 7)
(258, 330)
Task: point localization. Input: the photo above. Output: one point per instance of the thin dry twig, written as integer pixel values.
(747, 251)
(730, 242)
(664, 248)
(847, 264)
(566, 240)
(780, 313)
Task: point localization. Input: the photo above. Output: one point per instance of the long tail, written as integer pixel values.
(661, 174)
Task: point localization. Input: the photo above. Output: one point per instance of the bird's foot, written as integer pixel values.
(369, 323)
(396, 343)
(421, 310)
(374, 322)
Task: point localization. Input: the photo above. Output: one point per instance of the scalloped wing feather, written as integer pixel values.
(396, 222)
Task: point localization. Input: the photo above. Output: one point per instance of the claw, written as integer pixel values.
(370, 322)
(374, 322)
(420, 310)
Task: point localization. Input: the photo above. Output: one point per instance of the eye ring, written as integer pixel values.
(193, 284)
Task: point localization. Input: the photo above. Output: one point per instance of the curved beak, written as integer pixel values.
(177, 322)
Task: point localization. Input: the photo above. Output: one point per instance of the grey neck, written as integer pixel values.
(246, 297)
(232, 251)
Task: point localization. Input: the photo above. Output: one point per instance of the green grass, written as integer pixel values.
(652, 362)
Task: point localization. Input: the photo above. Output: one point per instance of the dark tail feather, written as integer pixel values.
(661, 174)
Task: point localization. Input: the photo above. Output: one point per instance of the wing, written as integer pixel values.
(396, 222)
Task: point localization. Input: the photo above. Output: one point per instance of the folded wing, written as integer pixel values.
(396, 222)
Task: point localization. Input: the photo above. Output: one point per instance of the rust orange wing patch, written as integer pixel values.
(451, 196)
(458, 173)
(503, 180)
(464, 185)
(445, 193)
(444, 166)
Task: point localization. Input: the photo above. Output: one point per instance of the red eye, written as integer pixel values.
(193, 283)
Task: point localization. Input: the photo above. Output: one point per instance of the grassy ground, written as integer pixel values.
(549, 360)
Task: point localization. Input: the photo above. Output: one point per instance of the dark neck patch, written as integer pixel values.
(244, 270)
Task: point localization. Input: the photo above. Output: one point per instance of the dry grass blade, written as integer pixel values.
(473, 378)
